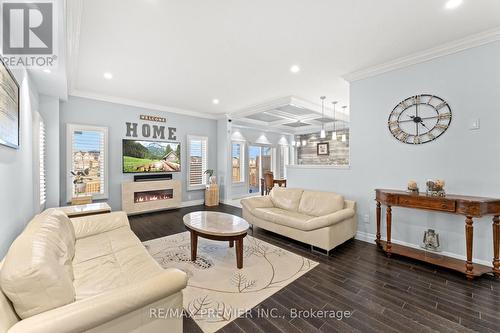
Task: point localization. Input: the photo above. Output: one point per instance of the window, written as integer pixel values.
(254, 160)
(267, 159)
(87, 161)
(237, 162)
(197, 164)
(41, 159)
(284, 160)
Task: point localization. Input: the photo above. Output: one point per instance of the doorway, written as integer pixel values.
(260, 161)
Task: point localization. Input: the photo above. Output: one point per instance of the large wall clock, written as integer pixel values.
(420, 119)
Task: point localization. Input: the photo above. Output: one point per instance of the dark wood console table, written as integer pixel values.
(470, 207)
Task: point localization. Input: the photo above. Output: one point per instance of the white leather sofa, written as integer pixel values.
(321, 219)
(87, 274)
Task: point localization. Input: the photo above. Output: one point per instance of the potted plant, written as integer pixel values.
(78, 180)
(211, 178)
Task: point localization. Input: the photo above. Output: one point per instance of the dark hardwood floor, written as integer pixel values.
(384, 295)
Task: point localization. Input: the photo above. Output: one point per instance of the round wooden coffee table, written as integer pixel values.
(217, 226)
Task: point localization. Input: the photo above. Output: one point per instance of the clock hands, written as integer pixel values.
(416, 118)
(412, 119)
(422, 123)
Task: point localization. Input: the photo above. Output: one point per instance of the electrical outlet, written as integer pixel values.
(475, 124)
(366, 218)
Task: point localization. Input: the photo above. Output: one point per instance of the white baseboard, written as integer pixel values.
(370, 238)
(235, 203)
(192, 203)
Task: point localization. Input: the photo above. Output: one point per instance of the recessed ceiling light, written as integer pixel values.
(108, 76)
(215, 101)
(452, 4)
(46, 70)
(295, 69)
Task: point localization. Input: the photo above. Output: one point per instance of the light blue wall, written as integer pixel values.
(17, 199)
(114, 116)
(468, 160)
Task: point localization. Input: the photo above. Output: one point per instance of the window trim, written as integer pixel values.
(282, 157)
(42, 163)
(70, 128)
(188, 154)
(242, 162)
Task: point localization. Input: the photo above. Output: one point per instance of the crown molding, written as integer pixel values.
(142, 105)
(456, 46)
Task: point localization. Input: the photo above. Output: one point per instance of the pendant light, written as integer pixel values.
(334, 133)
(322, 134)
(344, 136)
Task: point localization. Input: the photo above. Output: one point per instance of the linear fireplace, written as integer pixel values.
(146, 196)
(149, 196)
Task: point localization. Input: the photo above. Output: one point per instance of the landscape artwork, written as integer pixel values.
(151, 156)
(9, 108)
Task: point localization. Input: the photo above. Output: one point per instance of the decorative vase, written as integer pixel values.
(212, 180)
(80, 188)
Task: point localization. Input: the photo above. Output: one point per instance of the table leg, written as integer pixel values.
(239, 253)
(496, 246)
(378, 222)
(231, 243)
(194, 245)
(469, 236)
(389, 225)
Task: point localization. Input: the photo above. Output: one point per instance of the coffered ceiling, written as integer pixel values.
(187, 55)
(292, 115)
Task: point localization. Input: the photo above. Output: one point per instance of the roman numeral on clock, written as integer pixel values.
(396, 131)
(442, 126)
(441, 105)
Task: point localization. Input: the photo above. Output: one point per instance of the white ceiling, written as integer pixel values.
(55, 83)
(185, 53)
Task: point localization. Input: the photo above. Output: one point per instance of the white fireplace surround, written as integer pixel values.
(129, 190)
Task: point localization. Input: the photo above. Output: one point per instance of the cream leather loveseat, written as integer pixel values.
(86, 274)
(321, 219)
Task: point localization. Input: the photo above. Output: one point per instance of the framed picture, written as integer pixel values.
(323, 149)
(9, 108)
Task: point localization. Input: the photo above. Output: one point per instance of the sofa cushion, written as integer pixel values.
(90, 225)
(317, 203)
(283, 217)
(286, 198)
(37, 272)
(110, 260)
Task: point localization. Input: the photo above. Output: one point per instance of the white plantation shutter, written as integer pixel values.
(197, 163)
(41, 157)
(87, 153)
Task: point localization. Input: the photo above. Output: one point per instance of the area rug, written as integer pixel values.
(218, 292)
